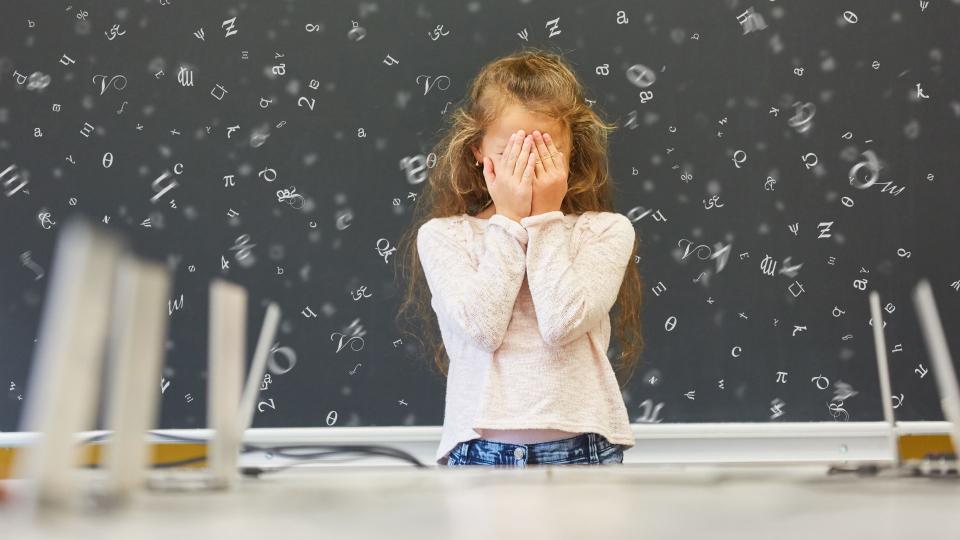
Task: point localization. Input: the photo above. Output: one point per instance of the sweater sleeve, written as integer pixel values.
(571, 294)
(477, 298)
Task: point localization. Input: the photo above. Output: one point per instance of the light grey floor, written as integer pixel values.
(630, 501)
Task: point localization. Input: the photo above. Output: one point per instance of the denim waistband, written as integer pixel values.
(585, 445)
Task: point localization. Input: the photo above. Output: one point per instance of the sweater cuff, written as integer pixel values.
(532, 221)
(511, 226)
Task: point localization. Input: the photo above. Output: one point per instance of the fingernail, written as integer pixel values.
(546, 136)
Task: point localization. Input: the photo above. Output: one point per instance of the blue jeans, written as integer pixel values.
(583, 449)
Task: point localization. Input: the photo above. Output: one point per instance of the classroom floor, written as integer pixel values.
(630, 501)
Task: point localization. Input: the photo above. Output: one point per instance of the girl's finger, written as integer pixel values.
(542, 149)
(524, 155)
(488, 170)
(515, 152)
(538, 168)
(506, 152)
(555, 156)
(528, 170)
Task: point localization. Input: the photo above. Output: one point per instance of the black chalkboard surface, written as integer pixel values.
(779, 162)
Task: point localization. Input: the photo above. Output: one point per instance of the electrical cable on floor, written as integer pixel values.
(363, 450)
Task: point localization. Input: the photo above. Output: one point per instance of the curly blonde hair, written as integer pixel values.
(542, 82)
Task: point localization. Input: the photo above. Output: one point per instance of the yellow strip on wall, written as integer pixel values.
(918, 446)
(90, 455)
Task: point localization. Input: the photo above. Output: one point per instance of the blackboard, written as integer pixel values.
(282, 145)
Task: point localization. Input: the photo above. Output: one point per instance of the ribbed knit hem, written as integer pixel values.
(532, 221)
(511, 227)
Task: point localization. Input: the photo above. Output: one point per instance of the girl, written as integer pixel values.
(523, 259)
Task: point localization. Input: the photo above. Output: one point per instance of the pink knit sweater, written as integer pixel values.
(524, 313)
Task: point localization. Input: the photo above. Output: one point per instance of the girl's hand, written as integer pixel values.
(550, 182)
(510, 177)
